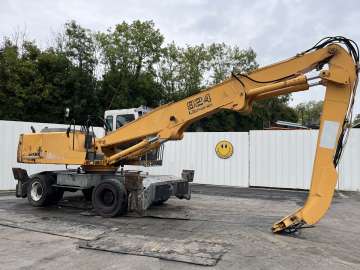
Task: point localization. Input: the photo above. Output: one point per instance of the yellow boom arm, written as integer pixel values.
(168, 122)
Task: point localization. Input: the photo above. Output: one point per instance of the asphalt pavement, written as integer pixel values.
(219, 228)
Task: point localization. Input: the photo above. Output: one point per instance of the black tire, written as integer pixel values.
(109, 198)
(56, 195)
(39, 190)
(56, 192)
(87, 193)
(161, 202)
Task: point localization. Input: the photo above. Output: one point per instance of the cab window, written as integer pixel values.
(124, 119)
(109, 121)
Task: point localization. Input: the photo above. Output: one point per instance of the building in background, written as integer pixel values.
(284, 125)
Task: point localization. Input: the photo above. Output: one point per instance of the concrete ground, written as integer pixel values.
(48, 238)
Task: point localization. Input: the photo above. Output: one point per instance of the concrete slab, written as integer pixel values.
(194, 251)
(241, 220)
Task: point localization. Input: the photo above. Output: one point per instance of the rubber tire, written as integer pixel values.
(119, 195)
(56, 192)
(87, 193)
(47, 191)
(57, 195)
(161, 202)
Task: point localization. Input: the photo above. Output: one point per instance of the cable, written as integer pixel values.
(271, 81)
(353, 50)
(237, 78)
(349, 43)
(345, 128)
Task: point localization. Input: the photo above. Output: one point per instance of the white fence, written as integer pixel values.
(280, 159)
(349, 168)
(284, 159)
(197, 152)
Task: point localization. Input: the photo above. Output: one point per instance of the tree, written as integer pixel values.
(185, 71)
(193, 65)
(181, 72)
(168, 72)
(129, 53)
(27, 82)
(45, 85)
(124, 67)
(78, 45)
(37, 85)
(356, 120)
(309, 112)
(223, 60)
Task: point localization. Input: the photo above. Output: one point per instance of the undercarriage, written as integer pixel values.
(111, 194)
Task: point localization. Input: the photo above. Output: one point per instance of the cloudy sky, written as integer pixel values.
(275, 29)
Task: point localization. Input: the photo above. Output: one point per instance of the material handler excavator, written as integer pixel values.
(333, 62)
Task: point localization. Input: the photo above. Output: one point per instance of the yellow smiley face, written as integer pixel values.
(224, 149)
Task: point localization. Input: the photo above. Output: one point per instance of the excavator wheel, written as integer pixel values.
(40, 191)
(109, 198)
(57, 195)
(160, 202)
(87, 193)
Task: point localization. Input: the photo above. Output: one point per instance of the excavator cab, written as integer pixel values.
(117, 118)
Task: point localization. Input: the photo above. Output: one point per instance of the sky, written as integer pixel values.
(275, 29)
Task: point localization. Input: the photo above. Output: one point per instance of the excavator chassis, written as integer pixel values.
(336, 61)
(139, 190)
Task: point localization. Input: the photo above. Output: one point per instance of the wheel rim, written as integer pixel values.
(36, 191)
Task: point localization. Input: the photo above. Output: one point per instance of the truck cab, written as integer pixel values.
(117, 118)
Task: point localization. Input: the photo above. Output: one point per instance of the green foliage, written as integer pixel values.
(193, 65)
(78, 45)
(129, 53)
(356, 120)
(124, 67)
(168, 72)
(309, 113)
(31, 83)
(225, 59)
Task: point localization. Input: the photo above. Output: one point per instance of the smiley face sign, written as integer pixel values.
(224, 149)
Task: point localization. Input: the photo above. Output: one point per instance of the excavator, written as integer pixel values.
(333, 62)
